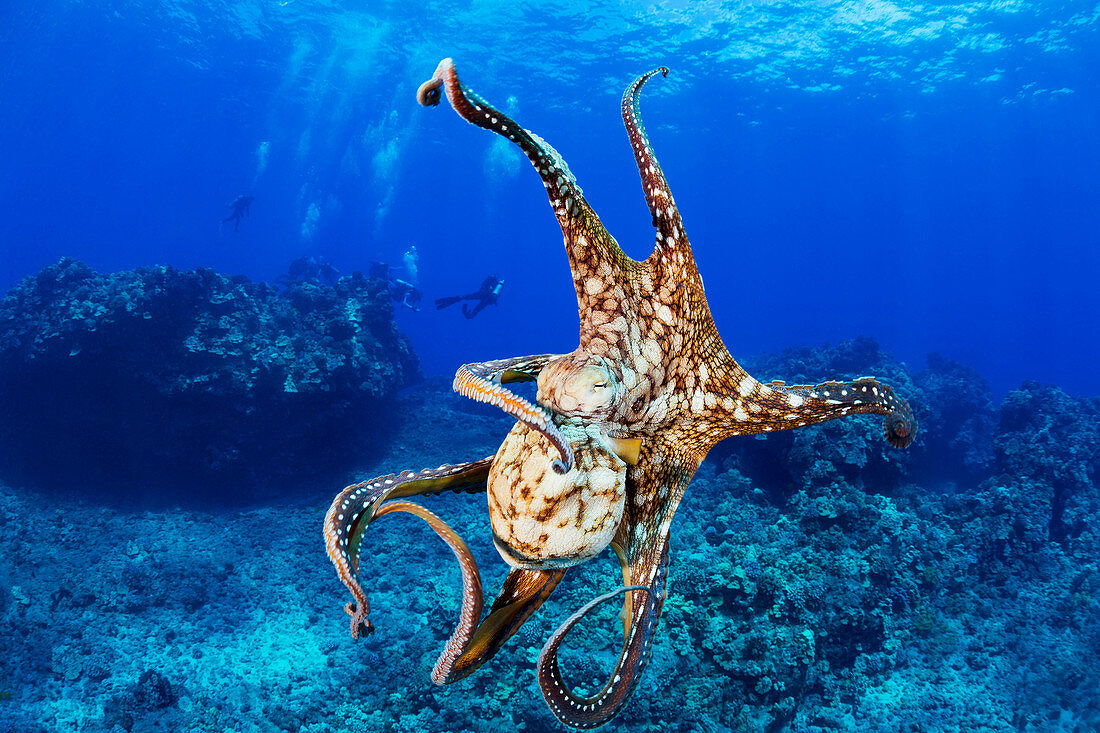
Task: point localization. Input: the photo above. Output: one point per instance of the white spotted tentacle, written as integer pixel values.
(576, 711)
(358, 505)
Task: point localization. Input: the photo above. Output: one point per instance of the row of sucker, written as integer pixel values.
(357, 505)
(476, 387)
(472, 599)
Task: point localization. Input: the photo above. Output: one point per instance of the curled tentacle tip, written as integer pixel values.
(899, 432)
(664, 71)
(561, 467)
(360, 624)
(361, 628)
(430, 92)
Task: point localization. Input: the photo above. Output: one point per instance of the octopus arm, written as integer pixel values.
(359, 504)
(864, 396)
(642, 549)
(641, 612)
(472, 599)
(586, 240)
(482, 382)
(516, 369)
(666, 217)
(755, 407)
(523, 592)
(472, 643)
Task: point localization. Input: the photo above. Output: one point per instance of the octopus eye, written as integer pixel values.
(599, 386)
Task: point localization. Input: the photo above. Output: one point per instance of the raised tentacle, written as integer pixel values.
(565, 195)
(587, 242)
(753, 407)
(469, 382)
(357, 505)
(662, 206)
(671, 263)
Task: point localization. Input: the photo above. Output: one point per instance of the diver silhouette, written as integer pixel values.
(487, 294)
(240, 208)
(401, 291)
(405, 293)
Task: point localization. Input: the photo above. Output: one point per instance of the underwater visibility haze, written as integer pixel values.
(244, 259)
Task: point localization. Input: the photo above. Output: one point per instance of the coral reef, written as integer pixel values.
(959, 421)
(844, 594)
(147, 377)
(1048, 447)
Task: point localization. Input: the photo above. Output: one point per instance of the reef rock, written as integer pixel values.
(1047, 462)
(160, 380)
(959, 421)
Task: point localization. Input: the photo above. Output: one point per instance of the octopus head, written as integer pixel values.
(580, 386)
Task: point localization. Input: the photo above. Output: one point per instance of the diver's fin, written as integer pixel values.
(444, 302)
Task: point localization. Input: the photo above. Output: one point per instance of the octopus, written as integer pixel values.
(602, 457)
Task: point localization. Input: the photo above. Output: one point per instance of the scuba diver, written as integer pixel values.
(405, 293)
(487, 294)
(401, 291)
(240, 208)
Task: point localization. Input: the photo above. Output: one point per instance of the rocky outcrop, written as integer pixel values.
(227, 386)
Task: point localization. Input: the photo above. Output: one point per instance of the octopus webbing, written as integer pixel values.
(618, 428)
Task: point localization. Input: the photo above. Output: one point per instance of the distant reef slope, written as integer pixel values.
(231, 388)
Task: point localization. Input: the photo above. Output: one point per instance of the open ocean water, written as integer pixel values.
(224, 227)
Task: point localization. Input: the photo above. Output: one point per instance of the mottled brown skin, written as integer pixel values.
(673, 383)
(542, 519)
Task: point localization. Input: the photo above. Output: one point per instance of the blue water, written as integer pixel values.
(925, 174)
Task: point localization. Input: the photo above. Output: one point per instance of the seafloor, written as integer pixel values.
(820, 581)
